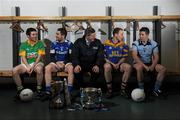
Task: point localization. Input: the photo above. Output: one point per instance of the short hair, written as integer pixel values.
(63, 31)
(89, 31)
(29, 30)
(145, 29)
(116, 30)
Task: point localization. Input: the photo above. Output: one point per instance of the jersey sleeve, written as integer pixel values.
(134, 47)
(22, 50)
(41, 50)
(155, 49)
(125, 51)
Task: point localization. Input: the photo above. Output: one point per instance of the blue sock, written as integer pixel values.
(141, 85)
(70, 88)
(48, 88)
(157, 85)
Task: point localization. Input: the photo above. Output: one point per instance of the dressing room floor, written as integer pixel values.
(119, 108)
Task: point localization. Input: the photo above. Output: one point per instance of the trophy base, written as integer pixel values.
(90, 106)
(56, 104)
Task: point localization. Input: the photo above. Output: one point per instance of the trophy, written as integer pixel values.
(57, 87)
(57, 100)
(90, 97)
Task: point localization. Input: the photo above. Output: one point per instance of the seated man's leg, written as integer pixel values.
(126, 69)
(39, 76)
(161, 70)
(139, 69)
(108, 78)
(20, 69)
(79, 79)
(49, 69)
(94, 79)
(69, 69)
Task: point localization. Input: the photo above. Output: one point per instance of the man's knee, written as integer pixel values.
(163, 69)
(128, 68)
(39, 70)
(70, 69)
(48, 68)
(18, 70)
(138, 67)
(107, 67)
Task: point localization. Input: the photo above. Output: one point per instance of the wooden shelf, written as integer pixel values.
(32, 18)
(138, 18)
(5, 18)
(170, 17)
(91, 18)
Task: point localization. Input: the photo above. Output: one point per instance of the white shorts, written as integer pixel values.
(40, 63)
(64, 66)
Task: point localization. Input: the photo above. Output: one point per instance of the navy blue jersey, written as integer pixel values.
(61, 51)
(114, 52)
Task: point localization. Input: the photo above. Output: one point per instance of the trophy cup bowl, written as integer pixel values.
(91, 95)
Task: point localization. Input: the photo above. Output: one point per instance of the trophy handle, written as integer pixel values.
(99, 91)
(82, 97)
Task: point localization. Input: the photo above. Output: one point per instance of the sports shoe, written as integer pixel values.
(159, 94)
(39, 94)
(124, 94)
(109, 95)
(46, 96)
(17, 96)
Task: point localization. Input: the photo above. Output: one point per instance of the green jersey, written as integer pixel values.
(31, 51)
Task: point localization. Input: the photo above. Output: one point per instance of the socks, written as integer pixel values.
(38, 87)
(19, 88)
(157, 85)
(109, 86)
(141, 85)
(48, 89)
(123, 85)
(70, 88)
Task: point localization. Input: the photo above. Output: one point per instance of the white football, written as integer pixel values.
(138, 95)
(26, 95)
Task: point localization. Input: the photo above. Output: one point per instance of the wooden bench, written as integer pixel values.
(8, 73)
(5, 73)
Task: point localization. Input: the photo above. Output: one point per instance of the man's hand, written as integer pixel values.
(95, 69)
(151, 68)
(116, 66)
(29, 69)
(60, 65)
(77, 69)
(146, 68)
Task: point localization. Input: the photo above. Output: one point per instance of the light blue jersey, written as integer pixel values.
(145, 52)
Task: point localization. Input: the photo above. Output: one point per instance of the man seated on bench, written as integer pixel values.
(60, 53)
(146, 56)
(88, 58)
(31, 52)
(116, 53)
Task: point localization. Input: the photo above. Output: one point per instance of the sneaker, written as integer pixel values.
(39, 94)
(74, 107)
(109, 95)
(17, 96)
(46, 96)
(159, 94)
(124, 94)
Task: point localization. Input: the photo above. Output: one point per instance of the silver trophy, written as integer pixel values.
(90, 97)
